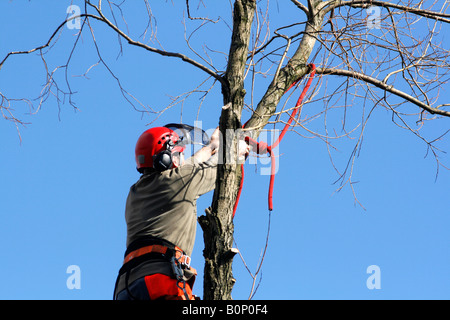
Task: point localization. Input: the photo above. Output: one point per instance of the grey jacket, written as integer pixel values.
(163, 205)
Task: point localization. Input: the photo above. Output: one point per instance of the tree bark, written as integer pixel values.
(217, 224)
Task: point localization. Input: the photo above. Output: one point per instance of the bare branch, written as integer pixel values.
(333, 4)
(382, 85)
(301, 6)
(155, 50)
(197, 18)
(47, 44)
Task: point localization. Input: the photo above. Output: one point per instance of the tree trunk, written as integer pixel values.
(217, 224)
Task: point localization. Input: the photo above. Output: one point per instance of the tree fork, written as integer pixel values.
(296, 68)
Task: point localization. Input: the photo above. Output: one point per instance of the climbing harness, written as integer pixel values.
(151, 248)
(263, 148)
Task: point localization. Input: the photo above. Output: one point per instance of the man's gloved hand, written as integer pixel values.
(215, 141)
(243, 150)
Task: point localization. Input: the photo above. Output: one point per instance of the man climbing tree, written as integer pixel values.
(161, 217)
(366, 55)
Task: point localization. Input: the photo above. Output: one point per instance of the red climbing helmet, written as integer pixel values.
(155, 147)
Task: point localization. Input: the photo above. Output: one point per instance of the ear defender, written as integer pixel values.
(162, 161)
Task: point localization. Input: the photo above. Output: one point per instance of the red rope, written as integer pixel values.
(263, 147)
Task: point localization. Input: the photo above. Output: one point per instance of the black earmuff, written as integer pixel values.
(162, 161)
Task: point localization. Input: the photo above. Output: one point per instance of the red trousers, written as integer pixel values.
(157, 286)
(160, 286)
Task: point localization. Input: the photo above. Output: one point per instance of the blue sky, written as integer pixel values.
(64, 183)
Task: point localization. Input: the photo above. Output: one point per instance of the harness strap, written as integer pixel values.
(178, 271)
(181, 258)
